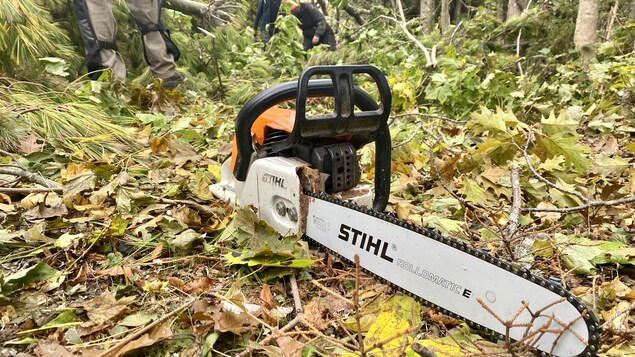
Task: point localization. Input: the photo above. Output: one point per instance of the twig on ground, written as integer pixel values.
(6, 153)
(514, 215)
(128, 339)
(358, 316)
(587, 202)
(32, 177)
(299, 318)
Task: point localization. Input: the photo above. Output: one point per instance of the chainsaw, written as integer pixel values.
(300, 171)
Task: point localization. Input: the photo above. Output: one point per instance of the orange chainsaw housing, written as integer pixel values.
(273, 118)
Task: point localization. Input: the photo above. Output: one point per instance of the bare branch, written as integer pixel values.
(32, 177)
(514, 215)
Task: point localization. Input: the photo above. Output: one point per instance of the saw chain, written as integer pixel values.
(589, 317)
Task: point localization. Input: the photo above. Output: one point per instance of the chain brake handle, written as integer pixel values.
(364, 126)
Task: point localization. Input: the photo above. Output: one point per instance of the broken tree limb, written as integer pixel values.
(49, 185)
(517, 198)
(214, 12)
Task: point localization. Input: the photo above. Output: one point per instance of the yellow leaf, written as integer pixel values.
(215, 170)
(396, 320)
(442, 348)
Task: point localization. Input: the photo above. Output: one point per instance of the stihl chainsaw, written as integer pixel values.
(301, 172)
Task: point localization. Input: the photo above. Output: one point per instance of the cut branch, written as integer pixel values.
(430, 60)
(215, 13)
(31, 177)
(517, 199)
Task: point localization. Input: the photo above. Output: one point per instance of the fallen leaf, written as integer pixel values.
(29, 144)
(156, 334)
(37, 273)
(198, 286)
(46, 348)
(267, 304)
(397, 317)
(547, 216)
(289, 346)
(103, 311)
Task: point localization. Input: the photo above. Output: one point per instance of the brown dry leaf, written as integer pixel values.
(156, 334)
(320, 311)
(5, 198)
(182, 154)
(202, 320)
(289, 346)
(103, 311)
(29, 144)
(117, 271)
(73, 170)
(547, 216)
(315, 312)
(176, 282)
(267, 303)
(199, 286)
(442, 319)
(618, 316)
(34, 199)
(494, 174)
(187, 216)
(42, 211)
(81, 275)
(235, 322)
(159, 145)
(46, 348)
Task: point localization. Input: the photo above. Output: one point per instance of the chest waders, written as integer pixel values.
(92, 46)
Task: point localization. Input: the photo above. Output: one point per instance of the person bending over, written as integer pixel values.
(315, 30)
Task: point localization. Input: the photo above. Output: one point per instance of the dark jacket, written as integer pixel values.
(266, 14)
(312, 22)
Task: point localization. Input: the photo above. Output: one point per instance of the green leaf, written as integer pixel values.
(55, 66)
(609, 166)
(260, 244)
(39, 272)
(499, 124)
(64, 320)
(473, 192)
(583, 255)
(446, 225)
(553, 164)
(566, 145)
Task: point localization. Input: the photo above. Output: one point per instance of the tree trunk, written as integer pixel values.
(500, 10)
(445, 16)
(426, 12)
(586, 27)
(515, 8)
(458, 7)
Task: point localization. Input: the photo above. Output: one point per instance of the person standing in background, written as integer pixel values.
(265, 19)
(98, 29)
(315, 30)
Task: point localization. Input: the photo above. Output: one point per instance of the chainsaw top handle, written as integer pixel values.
(364, 126)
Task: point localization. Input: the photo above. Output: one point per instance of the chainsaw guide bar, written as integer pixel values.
(385, 250)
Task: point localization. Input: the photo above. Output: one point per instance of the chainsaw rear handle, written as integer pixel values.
(371, 124)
